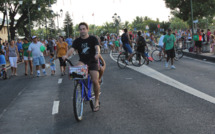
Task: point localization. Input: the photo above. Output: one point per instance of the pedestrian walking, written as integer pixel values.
(169, 43)
(27, 60)
(20, 49)
(198, 43)
(62, 48)
(52, 64)
(69, 41)
(13, 57)
(36, 49)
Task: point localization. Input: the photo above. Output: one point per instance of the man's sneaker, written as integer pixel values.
(126, 62)
(173, 67)
(38, 74)
(44, 73)
(166, 64)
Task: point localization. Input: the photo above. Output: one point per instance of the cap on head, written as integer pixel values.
(33, 37)
(25, 39)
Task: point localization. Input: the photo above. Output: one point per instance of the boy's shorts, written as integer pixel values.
(53, 68)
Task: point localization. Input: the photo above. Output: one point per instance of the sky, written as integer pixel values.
(103, 10)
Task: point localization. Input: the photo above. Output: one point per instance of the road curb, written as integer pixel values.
(200, 57)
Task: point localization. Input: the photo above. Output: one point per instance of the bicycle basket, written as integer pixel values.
(80, 72)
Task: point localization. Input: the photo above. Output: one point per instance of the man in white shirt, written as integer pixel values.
(38, 58)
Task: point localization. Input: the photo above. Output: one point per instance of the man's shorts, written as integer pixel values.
(198, 44)
(127, 48)
(170, 53)
(26, 58)
(93, 66)
(39, 61)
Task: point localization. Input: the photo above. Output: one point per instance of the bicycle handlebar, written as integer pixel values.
(69, 62)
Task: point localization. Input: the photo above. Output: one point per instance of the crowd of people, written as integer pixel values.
(31, 52)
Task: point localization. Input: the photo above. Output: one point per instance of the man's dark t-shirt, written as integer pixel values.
(86, 49)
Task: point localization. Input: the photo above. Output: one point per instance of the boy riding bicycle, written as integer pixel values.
(126, 44)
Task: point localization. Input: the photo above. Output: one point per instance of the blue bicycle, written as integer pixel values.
(83, 90)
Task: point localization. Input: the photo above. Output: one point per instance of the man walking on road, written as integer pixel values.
(89, 52)
(38, 58)
(169, 43)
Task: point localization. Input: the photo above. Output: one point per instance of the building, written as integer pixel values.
(3, 31)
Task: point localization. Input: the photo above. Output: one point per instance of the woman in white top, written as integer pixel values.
(189, 35)
(12, 52)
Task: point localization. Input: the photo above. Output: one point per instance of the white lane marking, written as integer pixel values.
(60, 80)
(169, 81)
(55, 107)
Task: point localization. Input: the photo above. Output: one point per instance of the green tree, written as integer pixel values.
(164, 25)
(177, 23)
(15, 8)
(182, 8)
(138, 23)
(68, 25)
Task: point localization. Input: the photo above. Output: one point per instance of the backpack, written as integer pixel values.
(141, 42)
(123, 38)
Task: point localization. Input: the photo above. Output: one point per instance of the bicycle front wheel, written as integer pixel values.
(121, 60)
(138, 60)
(179, 53)
(157, 55)
(78, 102)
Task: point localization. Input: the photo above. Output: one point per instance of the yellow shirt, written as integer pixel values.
(61, 49)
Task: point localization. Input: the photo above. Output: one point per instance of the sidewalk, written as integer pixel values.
(203, 56)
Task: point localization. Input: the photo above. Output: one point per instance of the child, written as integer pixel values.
(52, 64)
(3, 63)
(102, 66)
(105, 46)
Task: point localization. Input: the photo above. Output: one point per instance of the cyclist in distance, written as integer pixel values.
(89, 53)
(126, 44)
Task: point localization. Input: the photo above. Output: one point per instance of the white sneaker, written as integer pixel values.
(126, 62)
(173, 67)
(166, 64)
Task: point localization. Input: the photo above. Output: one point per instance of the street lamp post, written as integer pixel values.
(116, 20)
(191, 3)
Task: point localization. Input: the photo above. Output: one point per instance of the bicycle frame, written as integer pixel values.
(86, 88)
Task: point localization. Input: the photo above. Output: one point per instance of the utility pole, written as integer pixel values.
(191, 3)
(8, 32)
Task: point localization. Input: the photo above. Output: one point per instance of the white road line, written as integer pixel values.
(60, 80)
(169, 81)
(55, 107)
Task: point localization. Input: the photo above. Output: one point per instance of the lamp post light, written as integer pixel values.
(116, 20)
(29, 18)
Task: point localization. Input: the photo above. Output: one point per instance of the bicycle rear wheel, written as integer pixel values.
(121, 60)
(4, 75)
(179, 53)
(78, 102)
(138, 60)
(157, 55)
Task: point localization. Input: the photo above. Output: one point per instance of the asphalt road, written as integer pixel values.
(131, 102)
